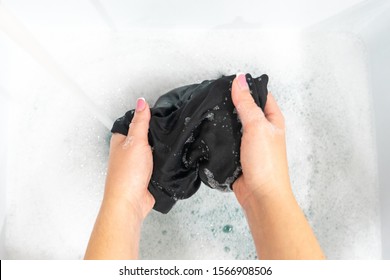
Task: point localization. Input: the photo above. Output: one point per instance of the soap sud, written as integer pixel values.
(190, 139)
(227, 185)
(210, 116)
(205, 146)
(187, 161)
(331, 159)
(187, 120)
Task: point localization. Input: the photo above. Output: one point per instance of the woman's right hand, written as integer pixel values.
(278, 226)
(263, 146)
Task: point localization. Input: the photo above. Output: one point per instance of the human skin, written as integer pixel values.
(278, 226)
(126, 200)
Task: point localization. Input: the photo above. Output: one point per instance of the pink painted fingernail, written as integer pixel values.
(241, 80)
(141, 104)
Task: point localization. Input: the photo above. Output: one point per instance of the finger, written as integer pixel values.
(272, 112)
(139, 126)
(243, 101)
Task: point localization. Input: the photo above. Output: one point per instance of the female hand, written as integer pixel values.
(278, 226)
(126, 201)
(131, 164)
(263, 146)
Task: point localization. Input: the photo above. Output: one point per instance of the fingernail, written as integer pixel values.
(141, 104)
(241, 80)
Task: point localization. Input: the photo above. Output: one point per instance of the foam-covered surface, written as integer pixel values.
(58, 151)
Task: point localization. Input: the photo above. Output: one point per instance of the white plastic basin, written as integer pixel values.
(328, 63)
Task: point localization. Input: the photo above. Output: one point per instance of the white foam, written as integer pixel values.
(187, 120)
(225, 186)
(59, 152)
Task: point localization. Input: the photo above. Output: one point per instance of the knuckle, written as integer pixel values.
(253, 125)
(138, 120)
(245, 104)
(138, 125)
(251, 115)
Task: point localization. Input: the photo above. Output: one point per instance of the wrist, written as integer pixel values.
(263, 195)
(138, 199)
(126, 207)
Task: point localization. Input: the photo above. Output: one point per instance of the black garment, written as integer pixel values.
(195, 134)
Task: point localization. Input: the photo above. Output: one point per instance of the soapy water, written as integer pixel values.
(16, 31)
(227, 185)
(320, 82)
(187, 120)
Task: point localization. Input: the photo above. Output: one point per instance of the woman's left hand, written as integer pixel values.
(131, 164)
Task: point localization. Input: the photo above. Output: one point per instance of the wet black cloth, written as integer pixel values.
(195, 135)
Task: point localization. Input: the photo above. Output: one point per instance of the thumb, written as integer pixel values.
(139, 126)
(243, 101)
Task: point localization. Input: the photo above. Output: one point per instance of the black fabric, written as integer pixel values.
(195, 134)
